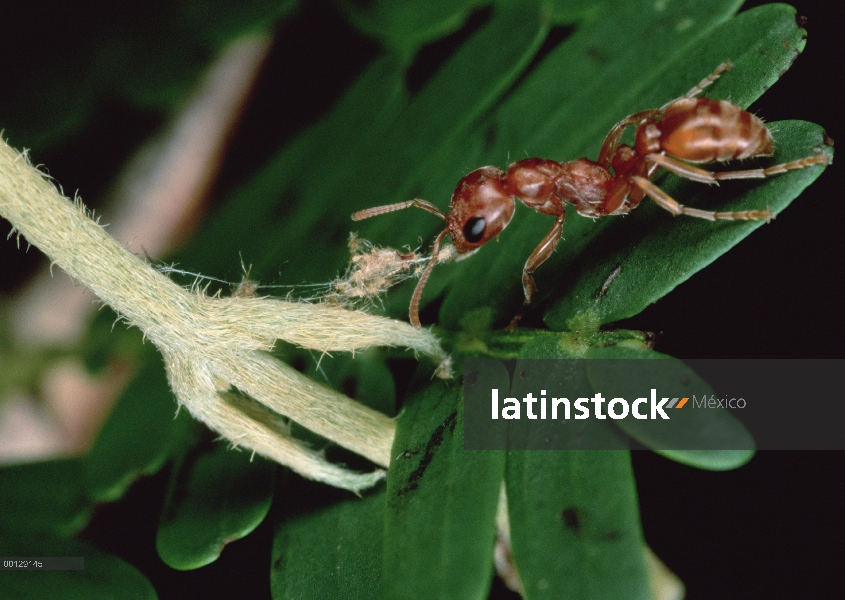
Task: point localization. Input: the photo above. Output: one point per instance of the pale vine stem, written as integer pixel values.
(215, 347)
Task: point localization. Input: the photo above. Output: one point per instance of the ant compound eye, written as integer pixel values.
(474, 229)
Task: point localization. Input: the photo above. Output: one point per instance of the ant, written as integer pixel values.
(686, 130)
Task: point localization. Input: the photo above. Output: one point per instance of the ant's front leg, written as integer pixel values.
(414, 309)
(538, 257)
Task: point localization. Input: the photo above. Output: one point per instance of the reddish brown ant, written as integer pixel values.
(686, 130)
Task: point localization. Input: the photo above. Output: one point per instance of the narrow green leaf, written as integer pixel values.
(140, 435)
(569, 11)
(333, 552)
(404, 27)
(687, 443)
(44, 496)
(574, 519)
(374, 384)
(441, 503)
(708, 439)
(105, 577)
(575, 527)
(364, 377)
(218, 21)
(216, 496)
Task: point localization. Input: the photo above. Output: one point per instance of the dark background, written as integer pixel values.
(772, 529)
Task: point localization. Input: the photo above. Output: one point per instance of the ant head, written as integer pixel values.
(480, 209)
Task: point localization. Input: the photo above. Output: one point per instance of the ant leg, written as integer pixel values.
(538, 257)
(614, 137)
(696, 174)
(380, 210)
(704, 83)
(708, 81)
(414, 310)
(666, 201)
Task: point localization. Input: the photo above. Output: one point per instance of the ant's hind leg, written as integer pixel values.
(704, 176)
(667, 202)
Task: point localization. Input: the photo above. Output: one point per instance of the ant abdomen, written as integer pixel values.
(701, 130)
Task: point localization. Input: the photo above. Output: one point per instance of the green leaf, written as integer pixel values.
(218, 21)
(140, 435)
(698, 438)
(438, 139)
(373, 380)
(105, 577)
(44, 496)
(441, 503)
(403, 27)
(621, 277)
(216, 496)
(332, 552)
(574, 521)
(575, 527)
(568, 11)
(363, 377)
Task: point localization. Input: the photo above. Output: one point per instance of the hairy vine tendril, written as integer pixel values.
(215, 349)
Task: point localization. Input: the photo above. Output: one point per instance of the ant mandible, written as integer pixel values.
(683, 131)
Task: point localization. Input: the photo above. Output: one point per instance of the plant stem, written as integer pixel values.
(211, 345)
